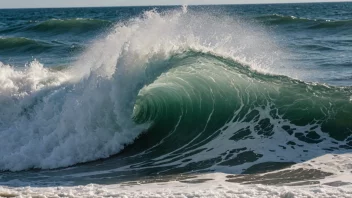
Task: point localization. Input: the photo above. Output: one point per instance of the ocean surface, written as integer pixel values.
(177, 101)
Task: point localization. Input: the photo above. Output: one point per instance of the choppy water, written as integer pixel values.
(121, 93)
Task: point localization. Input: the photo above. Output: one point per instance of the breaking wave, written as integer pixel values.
(185, 90)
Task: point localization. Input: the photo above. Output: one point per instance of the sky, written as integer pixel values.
(102, 3)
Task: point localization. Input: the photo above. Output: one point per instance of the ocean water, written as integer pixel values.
(178, 101)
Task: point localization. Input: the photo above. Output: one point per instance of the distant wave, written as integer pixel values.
(22, 44)
(332, 24)
(78, 25)
(317, 47)
(280, 19)
(277, 19)
(26, 45)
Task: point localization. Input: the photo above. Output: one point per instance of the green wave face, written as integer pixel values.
(204, 98)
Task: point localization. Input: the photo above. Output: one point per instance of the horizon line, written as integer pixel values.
(174, 5)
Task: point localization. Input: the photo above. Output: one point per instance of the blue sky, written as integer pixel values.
(88, 3)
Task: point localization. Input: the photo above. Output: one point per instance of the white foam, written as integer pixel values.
(215, 187)
(338, 164)
(47, 121)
